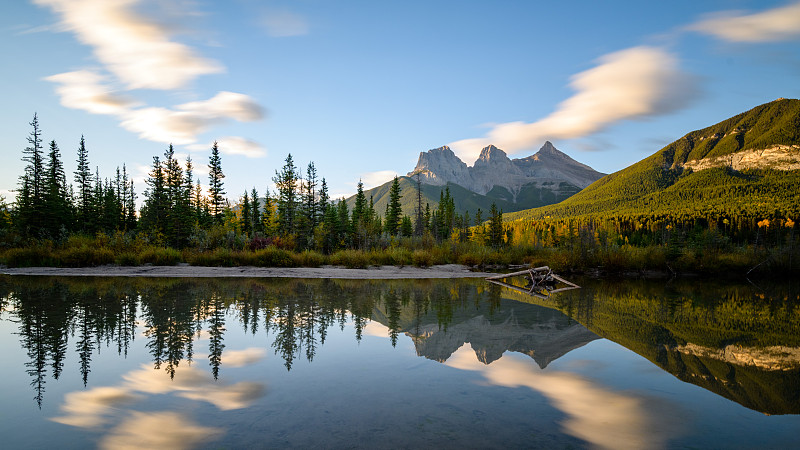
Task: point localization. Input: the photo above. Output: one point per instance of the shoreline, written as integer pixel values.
(187, 271)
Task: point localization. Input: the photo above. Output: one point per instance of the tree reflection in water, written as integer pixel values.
(684, 328)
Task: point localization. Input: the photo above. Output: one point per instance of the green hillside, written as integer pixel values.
(659, 186)
(530, 196)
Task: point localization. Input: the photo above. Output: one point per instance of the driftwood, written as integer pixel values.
(541, 282)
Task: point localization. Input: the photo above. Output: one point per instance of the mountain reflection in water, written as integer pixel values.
(737, 341)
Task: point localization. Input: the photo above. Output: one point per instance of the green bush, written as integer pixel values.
(159, 256)
(128, 259)
(29, 257)
(273, 257)
(422, 258)
(308, 258)
(85, 257)
(353, 259)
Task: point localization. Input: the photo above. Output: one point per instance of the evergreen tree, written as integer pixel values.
(406, 227)
(129, 201)
(324, 199)
(83, 178)
(255, 213)
(286, 182)
(154, 211)
(215, 185)
(495, 227)
(310, 205)
(358, 219)
(343, 229)
(247, 226)
(57, 208)
(394, 211)
(419, 225)
(30, 202)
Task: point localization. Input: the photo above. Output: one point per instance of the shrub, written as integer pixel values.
(353, 259)
(422, 258)
(273, 257)
(128, 259)
(29, 257)
(308, 258)
(159, 256)
(85, 257)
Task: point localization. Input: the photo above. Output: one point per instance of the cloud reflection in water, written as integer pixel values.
(596, 414)
(164, 429)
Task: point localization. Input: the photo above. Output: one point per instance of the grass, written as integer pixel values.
(102, 250)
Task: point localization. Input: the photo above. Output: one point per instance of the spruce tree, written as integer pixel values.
(83, 179)
(215, 185)
(255, 213)
(31, 199)
(286, 182)
(394, 211)
(154, 210)
(246, 225)
(495, 227)
(57, 210)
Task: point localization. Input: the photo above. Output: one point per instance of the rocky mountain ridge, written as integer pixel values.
(549, 168)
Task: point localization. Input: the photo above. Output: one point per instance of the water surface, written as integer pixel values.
(180, 363)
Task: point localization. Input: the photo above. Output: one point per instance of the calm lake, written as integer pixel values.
(273, 363)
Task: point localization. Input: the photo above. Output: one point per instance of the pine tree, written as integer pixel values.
(324, 199)
(255, 213)
(57, 209)
(495, 227)
(83, 178)
(154, 210)
(31, 198)
(286, 182)
(215, 185)
(247, 226)
(394, 211)
(419, 225)
(129, 201)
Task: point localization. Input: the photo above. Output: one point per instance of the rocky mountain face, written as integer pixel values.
(549, 168)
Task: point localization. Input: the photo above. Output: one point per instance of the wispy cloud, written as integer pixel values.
(186, 122)
(634, 83)
(777, 24)
(377, 178)
(83, 89)
(282, 23)
(134, 48)
(137, 52)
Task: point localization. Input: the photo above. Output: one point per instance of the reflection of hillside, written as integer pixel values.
(733, 341)
(542, 333)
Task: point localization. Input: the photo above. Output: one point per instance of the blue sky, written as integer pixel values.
(361, 87)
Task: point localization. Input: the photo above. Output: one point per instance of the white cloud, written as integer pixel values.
(233, 145)
(635, 83)
(83, 89)
(135, 49)
(377, 178)
(776, 24)
(226, 104)
(183, 125)
(284, 24)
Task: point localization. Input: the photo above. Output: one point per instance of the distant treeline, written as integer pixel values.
(95, 221)
(177, 213)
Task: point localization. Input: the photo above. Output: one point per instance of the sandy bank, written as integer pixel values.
(382, 272)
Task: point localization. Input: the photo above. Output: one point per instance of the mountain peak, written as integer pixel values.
(491, 153)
